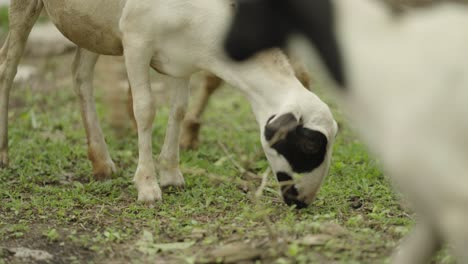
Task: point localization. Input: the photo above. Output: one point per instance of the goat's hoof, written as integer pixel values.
(172, 177)
(190, 133)
(104, 171)
(189, 142)
(149, 193)
(3, 159)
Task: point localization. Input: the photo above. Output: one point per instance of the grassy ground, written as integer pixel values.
(3, 20)
(50, 202)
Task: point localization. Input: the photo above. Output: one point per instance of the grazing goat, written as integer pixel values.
(404, 83)
(177, 38)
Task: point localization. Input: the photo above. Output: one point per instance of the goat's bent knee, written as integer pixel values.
(144, 111)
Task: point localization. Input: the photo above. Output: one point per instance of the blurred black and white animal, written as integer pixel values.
(403, 79)
(177, 38)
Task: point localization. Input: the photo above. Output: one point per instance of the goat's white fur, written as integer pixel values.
(176, 37)
(407, 96)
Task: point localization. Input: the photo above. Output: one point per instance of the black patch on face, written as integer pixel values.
(305, 149)
(289, 191)
(262, 24)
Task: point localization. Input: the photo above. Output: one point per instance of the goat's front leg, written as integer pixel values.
(83, 69)
(419, 246)
(137, 61)
(169, 170)
(23, 15)
(452, 219)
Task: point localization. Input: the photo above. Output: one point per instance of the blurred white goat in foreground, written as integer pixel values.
(404, 82)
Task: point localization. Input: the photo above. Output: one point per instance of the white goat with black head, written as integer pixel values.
(404, 82)
(177, 38)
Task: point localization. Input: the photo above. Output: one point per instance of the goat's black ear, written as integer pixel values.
(256, 26)
(317, 20)
(279, 128)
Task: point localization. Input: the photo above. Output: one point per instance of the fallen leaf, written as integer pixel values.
(314, 240)
(220, 162)
(174, 246)
(333, 229)
(234, 253)
(198, 233)
(146, 244)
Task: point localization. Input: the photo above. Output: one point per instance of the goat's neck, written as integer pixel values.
(268, 93)
(268, 100)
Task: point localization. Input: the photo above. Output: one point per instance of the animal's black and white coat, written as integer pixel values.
(404, 83)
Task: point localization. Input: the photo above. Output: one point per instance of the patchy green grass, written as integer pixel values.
(4, 21)
(49, 200)
(3, 18)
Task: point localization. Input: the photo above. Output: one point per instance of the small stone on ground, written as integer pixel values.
(32, 254)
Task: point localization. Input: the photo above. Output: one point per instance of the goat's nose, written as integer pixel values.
(290, 197)
(289, 191)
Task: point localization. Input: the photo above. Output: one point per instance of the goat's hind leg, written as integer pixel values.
(169, 171)
(83, 69)
(191, 125)
(4, 98)
(22, 15)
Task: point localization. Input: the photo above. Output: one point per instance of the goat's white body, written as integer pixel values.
(175, 37)
(408, 97)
